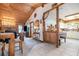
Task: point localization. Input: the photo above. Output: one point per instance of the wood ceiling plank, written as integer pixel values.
(20, 11)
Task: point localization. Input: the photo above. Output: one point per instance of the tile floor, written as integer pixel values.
(33, 47)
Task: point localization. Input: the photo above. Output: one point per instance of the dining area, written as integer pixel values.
(10, 39)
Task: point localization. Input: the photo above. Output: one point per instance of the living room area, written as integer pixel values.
(67, 24)
(44, 29)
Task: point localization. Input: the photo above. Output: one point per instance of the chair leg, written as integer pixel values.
(3, 48)
(59, 42)
(21, 46)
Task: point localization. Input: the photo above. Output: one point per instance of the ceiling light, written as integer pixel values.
(7, 17)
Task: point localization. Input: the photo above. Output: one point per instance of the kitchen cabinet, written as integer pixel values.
(50, 37)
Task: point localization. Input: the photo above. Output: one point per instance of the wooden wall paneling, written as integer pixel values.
(20, 11)
(47, 36)
(53, 37)
(50, 37)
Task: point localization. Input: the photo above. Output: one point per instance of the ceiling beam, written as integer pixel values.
(54, 6)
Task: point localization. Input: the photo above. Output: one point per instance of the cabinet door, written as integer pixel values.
(46, 36)
(53, 37)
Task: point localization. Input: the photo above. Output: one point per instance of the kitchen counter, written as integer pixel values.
(73, 34)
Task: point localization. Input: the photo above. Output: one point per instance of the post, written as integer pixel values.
(12, 45)
(57, 26)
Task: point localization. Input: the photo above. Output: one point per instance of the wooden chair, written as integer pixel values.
(3, 43)
(2, 46)
(62, 35)
(20, 41)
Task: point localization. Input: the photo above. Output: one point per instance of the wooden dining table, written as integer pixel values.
(11, 48)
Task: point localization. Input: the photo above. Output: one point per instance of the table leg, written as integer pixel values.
(11, 47)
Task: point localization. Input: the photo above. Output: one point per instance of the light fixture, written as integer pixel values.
(8, 21)
(7, 17)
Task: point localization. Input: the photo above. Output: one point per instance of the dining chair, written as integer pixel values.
(3, 42)
(62, 35)
(2, 46)
(20, 40)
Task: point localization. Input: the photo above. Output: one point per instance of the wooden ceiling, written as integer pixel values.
(19, 11)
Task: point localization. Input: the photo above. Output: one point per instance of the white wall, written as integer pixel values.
(39, 11)
(65, 9)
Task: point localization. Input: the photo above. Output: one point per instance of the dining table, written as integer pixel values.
(11, 48)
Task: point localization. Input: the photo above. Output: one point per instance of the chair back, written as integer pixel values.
(21, 36)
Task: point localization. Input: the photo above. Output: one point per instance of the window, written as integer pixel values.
(20, 28)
